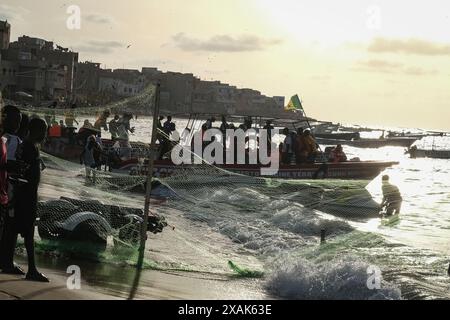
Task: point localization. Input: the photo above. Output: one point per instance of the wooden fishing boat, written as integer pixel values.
(135, 165)
(343, 170)
(417, 136)
(339, 135)
(370, 143)
(436, 154)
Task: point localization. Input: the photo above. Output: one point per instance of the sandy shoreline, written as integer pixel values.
(184, 248)
(154, 285)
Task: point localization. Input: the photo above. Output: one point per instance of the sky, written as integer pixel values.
(351, 61)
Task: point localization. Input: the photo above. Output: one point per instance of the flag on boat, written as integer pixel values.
(294, 104)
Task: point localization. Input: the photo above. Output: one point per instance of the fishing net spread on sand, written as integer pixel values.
(107, 205)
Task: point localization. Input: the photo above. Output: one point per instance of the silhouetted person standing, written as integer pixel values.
(113, 125)
(160, 131)
(9, 168)
(169, 127)
(25, 208)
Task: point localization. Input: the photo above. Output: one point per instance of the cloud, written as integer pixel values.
(410, 46)
(100, 46)
(99, 18)
(384, 94)
(379, 66)
(10, 13)
(383, 66)
(417, 71)
(223, 43)
(320, 78)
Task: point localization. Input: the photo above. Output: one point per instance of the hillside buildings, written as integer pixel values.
(41, 72)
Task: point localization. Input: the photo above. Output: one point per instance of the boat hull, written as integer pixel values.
(370, 143)
(165, 168)
(338, 136)
(345, 170)
(435, 154)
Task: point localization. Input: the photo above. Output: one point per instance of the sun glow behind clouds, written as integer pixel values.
(329, 24)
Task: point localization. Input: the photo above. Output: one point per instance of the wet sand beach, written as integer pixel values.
(173, 250)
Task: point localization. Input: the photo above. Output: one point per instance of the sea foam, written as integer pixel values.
(345, 278)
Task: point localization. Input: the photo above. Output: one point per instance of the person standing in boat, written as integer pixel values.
(113, 125)
(248, 123)
(299, 147)
(165, 143)
(124, 126)
(160, 131)
(63, 128)
(88, 158)
(69, 117)
(209, 123)
(84, 132)
(224, 125)
(288, 147)
(124, 129)
(50, 114)
(310, 146)
(337, 154)
(392, 199)
(269, 128)
(86, 125)
(98, 151)
(169, 127)
(101, 122)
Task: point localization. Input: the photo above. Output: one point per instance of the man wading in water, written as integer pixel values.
(392, 198)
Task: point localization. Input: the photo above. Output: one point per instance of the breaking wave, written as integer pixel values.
(342, 279)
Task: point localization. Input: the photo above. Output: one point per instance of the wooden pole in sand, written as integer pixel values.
(148, 191)
(323, 236)
(148, 188)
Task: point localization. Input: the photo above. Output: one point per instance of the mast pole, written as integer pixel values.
(148, 188)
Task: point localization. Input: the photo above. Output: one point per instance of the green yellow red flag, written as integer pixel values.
(294, 104)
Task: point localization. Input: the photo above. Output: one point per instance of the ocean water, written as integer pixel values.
(271, 226)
